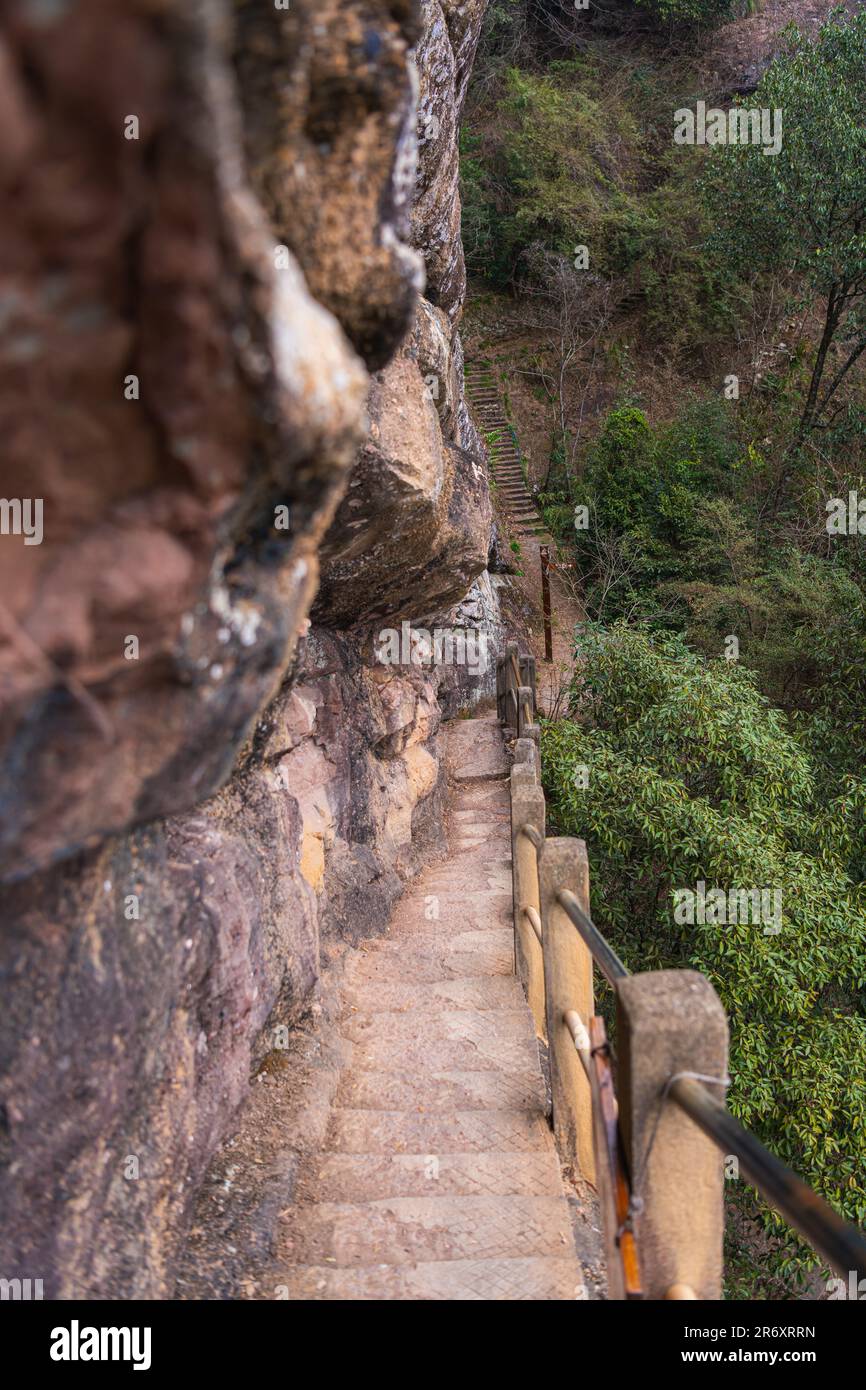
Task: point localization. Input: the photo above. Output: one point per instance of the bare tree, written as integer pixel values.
(574, 307)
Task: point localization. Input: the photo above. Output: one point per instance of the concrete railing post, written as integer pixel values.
(500, 690)
(568, 985)
(527, 808)
(512, 713)
(526, 706)
(526, 665)
(672, 1021)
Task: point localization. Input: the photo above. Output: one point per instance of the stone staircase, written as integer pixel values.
(521, 514)
(438, 1177)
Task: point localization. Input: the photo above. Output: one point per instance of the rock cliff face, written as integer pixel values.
(223, 382)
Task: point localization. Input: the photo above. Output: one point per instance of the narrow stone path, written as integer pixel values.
(526, 525)
(438, 1177)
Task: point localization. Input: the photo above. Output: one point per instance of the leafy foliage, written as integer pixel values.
(804, 208)
(646, 493)
(709, 525)
(554, 158)
(693, 776)
(680, 537)
(687, 13)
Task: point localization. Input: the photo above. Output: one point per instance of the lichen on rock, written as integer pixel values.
(202, 326)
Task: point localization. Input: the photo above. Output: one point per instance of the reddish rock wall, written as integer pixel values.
(178, 832)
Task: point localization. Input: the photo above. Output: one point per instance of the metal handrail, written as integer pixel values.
(601, 951)
(534, 836)
(520, 696)
(533, 919)
(839, 1243)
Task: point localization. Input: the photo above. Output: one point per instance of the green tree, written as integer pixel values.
(693, 777)
(804, 209)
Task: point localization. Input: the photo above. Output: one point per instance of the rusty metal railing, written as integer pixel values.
(654, 1152)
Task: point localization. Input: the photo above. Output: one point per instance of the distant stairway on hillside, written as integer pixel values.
(521, 514)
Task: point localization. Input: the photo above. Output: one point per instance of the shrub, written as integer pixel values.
(554, 159)
(694, 777)
(801, 209)
(687, 13)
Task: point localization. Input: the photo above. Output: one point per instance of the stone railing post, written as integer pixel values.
(568, 985)
(500, 690)
(526, 707)
(527, 808)
(672, 1021)
(526, 665)
(512, 713)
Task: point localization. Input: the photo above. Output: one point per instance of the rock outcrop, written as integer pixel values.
(217, 227)
(166, 389)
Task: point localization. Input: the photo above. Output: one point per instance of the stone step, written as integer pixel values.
(403, 1230)
(479, 992)
(493, 880)
(517, 1055)
(490, 1281)
(368, 1177)
(481, 831)
(456, 911)
(466, 954)
(451, 923)
(492, 851)
(459, 1131)
(430, 938)
(475, 750)
(437, 1092)
(480, 793)
(439, 1025)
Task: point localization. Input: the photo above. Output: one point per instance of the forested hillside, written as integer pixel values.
(678, 321)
